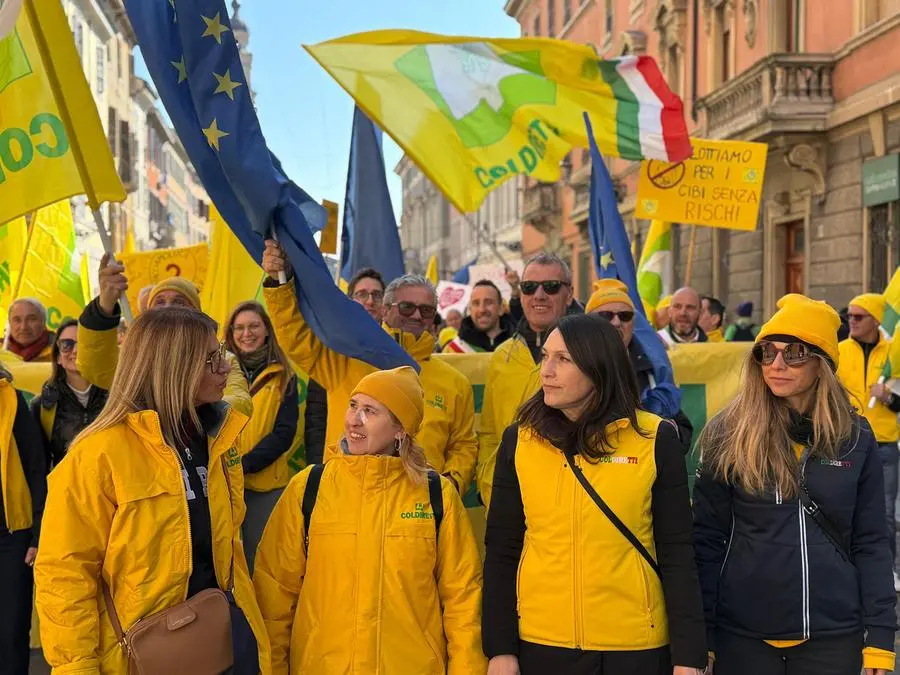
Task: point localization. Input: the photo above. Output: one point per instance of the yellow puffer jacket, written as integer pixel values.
(513, 377)
(581, 584)
(98, 355)
(267, 400)
(379, 593)
(117, 509)
(447, 434)
(16, 495)
(850, 372)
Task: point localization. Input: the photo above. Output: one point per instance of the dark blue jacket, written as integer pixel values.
(768, 571)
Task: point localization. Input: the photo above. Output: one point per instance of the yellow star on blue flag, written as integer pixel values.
(214, 27)
(226, 84)
(181, 68)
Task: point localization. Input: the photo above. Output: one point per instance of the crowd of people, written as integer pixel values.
(155, 504)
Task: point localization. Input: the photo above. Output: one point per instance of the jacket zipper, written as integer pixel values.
(728, 550)
(576, 534)
(778, 499)
(187, 512)
(804, 569)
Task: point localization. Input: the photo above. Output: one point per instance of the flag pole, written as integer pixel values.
(690, 262)
(282, 276)
(108, 248)
(491, 244)
(15, 293)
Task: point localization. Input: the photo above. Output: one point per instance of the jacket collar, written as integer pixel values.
(420, 348)
(480, 340)
(221, 422)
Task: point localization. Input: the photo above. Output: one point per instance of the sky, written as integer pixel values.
(305, 115)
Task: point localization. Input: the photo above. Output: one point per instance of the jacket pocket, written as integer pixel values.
(519, 574)
(645, 583)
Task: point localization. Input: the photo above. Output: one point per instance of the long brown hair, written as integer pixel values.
(597, 349)
(749, 443)
(57, 373)
(275, 353)
(160, 368)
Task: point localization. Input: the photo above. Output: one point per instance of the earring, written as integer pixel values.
(397, 445)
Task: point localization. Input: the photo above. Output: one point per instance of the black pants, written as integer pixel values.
(542, 660)
(16, 588)
(736, 655)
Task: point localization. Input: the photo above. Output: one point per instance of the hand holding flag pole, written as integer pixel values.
(282, 275)
(108, 248)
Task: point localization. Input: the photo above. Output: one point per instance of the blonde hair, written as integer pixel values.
(749, 443)
(160, 368)
(412, 457)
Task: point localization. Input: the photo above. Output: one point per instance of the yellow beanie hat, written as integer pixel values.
(179, 285)
(873, 303)
(812, 321)
(446, 335)
(400, 391)
(664, 303)
(607, 291)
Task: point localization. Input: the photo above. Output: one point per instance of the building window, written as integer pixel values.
(793, 257)
(101, 70)
(673, 68)
(609, 17)
(884, 245)
(537, 25)
(585, 261)
(726, 48)
(567, 11)
(551, 17)
(874, 11)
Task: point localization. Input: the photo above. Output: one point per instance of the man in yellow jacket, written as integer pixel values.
(863, 356)
(98, 343)
(514, 370)
(410, 303)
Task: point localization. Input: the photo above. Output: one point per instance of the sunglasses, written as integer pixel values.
(795, 354)
(363, 296)
(857, 317)
(551, 287)
(67, 345)
(624, 317)
(214, 360)
(408, 309)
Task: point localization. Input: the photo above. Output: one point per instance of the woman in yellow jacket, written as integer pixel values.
(589, 566)
(271, 435)
(149, 502)
(23, 486)
(368, 563)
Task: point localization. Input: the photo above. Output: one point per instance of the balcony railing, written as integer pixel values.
(781, 93)
(540, 205)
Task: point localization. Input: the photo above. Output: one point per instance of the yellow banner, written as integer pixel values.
(149, 267)
(233, 275)
(720, 186)
(52, 270)
(328, 238)
(13, 240)
(52, 144)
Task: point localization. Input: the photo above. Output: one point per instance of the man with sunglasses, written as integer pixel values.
(862, 359)
(610, 300)
(684, 318)
(516, 309)
(514, 370)
(447, 433)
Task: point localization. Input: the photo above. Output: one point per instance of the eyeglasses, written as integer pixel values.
(408, 309)
(67, 345)
(363, 296)
(551, 287)
(795, 354)
(214, 360)
(857, 317)
(624, 317)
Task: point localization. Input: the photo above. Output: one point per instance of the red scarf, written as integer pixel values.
(31, 351)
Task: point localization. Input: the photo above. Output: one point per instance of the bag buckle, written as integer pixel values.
(812, 509)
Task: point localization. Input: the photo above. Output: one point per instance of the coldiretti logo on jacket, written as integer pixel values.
(419, 514)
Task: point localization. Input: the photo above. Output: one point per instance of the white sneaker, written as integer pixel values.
(896, 583)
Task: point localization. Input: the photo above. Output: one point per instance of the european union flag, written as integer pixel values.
(461, 276)
(612, 260)
(194, 62)
(369, 237)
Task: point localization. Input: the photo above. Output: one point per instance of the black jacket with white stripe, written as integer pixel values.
(767, 570)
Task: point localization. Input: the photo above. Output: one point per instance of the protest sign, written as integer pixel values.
(452, 295)
(720, 186)
(495, 272)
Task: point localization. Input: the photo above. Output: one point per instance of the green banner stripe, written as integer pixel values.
(478, 395)
(693, 404)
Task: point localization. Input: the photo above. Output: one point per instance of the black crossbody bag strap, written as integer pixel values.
(815, 512)
(613, 518)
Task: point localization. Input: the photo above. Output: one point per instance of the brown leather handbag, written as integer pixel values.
(191, 638)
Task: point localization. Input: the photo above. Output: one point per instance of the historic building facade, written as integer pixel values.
(820, 87)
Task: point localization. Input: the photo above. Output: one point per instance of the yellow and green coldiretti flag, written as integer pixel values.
(51, 272)
(655, 263)
(52, 144)
(889, 324)
(13, 240)
(474, 112)
(233, 275)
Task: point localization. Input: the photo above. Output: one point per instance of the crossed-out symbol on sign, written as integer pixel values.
(663, 175)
